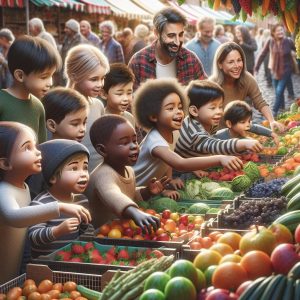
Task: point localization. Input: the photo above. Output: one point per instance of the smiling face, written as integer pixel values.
(91, 86)
(232, 66)
(74, 175)
(122, 148)
(171, 38)
(278, 33)
(38, 83)
(209, 114)
(119, 97)
(206, 32)
(72, 127)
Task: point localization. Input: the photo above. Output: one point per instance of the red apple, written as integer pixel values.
(191, 227)
(243, 287)
(128, 232)
(166, 214)
(219, 294)
(284, 257)
(184, 219)
(297, 234)
(163, 237)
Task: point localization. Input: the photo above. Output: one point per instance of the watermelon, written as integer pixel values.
(252, 171)
(222, 193)
(198, 208)
(241, 183)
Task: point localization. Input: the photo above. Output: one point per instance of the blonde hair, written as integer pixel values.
(141, 31)
(221, 54)
(81, 60)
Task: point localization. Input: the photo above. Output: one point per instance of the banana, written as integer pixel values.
(257, 293)
(295, 271)
(297, 289)
(272, 287)
(253, 287)
(289, 289)
(290, 220)
(287, 187)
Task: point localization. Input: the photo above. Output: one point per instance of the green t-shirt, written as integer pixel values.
(29, 112)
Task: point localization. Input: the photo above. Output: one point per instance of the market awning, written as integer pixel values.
(191, 19)
(97, 6)
(128, 9)
(151, 7)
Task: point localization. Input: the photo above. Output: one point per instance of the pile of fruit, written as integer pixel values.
(110, 255)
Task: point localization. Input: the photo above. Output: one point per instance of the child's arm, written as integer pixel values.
(262, 130)
(195, 163)
(154, 187)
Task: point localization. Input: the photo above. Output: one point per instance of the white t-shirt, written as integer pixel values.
(166, 71)
(148, 166)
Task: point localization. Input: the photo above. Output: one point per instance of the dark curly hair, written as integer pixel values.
(149, 97)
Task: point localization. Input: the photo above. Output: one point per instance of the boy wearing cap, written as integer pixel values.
(65, 170)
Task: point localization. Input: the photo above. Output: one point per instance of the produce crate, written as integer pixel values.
(92, 268)
(270, 159)
(41, 272)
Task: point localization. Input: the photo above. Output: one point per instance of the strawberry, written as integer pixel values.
(63, 255)
(132, 263)
(77, 249)
(112, 251)
(236, 6)
(157, 254)
(149, 251)
(89, 246)
(123, 254)
(76, 259)
(246, 6)
(94, 256)
(109, 258)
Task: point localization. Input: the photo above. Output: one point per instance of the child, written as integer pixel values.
(85, 69)
(66, 174)
(118, 90)
(112, 190)
(205, 113)
(66, 113)
(32, 61)
(19, 158)
(237, 118)
(159, 107)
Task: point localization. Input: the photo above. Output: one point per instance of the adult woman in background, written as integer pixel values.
(248, 44)
(230, 72)
(280, 48)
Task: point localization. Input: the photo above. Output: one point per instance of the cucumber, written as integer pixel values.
(297, 289)
(88, 293)
(288, 186)
(272, 287)
(290, 220)
(294, 203)
(295, 271)
(289, 290)
(252, 287)
(294, 191)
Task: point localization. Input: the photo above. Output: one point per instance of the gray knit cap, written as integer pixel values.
(73, 25)
(55, 152)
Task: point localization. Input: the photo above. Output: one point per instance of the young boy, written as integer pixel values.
(118, 91)
(66, 113)
(65, 170)
(112, 189)
(205, 113)
(237, 118)
(32, 61)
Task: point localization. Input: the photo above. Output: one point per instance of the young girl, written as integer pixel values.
(85, 68)
(159, 107)
(20, 158)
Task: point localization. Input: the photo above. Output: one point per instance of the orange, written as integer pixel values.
(222, 248)
(117, 226)
(213, 235)
(115, 234)
(231, 257)
(206, 242)
(279, 171)
(104, 229)
(257, 264)
(297, 157)
(230, 238)
(206, 258)
(229, 275)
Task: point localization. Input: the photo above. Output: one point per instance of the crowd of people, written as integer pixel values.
(132, 115)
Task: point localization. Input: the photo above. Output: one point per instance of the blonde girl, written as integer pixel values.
(19, 158)
(85, 69)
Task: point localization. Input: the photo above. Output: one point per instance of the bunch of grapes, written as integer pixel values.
(267, 189)
(260, 212)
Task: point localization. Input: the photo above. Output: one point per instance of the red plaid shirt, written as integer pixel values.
(188, 66)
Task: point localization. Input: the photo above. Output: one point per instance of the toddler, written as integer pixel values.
(112, 189)
(65, 171)
(237, 118)
(32, 62)
(118, 91)
(159, 108)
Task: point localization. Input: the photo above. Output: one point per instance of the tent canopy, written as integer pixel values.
(151, 7)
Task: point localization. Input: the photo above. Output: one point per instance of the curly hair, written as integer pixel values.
(149, 97)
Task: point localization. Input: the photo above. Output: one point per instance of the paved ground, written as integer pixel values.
(268, 93)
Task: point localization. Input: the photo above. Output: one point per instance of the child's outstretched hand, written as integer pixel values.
(276, 125)
(66, 227)
(177, 183)
(253, 145)
(157, 186)
(231, 162)
(275, 138)
(75, 210)
(147, 222)
(171, 194)
(201, 173)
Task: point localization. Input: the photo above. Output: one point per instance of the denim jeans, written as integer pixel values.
(280, 85)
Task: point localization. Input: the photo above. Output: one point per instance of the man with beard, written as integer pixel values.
(166, 57)
(203, 44)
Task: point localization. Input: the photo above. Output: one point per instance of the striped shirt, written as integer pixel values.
(41, 235)
(194, 140)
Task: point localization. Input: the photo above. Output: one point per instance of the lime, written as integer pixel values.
(180, 288)
(157, 280)
(282, 151)
(152, 294)
(184, 268)
(209, 273)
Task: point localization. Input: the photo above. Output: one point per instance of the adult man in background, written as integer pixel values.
(203, 44)
(86, 31)
(166, 57)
